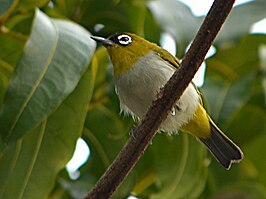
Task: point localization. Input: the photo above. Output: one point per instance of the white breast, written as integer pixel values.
(138, 87)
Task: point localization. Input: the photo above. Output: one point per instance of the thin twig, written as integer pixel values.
(160, 108)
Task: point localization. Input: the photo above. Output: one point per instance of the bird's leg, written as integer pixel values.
(132, 132)
(178, 106)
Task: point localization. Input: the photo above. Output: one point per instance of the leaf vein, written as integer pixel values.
(33, 160)
(36, 84)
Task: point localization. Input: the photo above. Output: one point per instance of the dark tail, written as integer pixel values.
(223, 149)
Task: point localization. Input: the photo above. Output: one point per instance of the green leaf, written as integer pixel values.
(151, 28)
(231, 82)
(101, 139)
(249, 13)
(244, 189)
(12, 39)
(120, 15)
(6, 8)
(29, 168)
(180, 167)
(55, 57)
(10, 52)
(177, 19)
(236, 96)
(255, 154)
(26, 5)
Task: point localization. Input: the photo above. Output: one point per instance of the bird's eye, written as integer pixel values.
(124, 39)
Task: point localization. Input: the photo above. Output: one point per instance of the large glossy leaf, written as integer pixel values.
(255, 154)
(249, 13)
(234, 88)
(53, 61)
(176, 18)
(101, 139)
(29, 168)
(238, 79)
(181, 158)
(120, 15)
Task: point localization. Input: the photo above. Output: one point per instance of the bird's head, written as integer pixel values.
(125, 49)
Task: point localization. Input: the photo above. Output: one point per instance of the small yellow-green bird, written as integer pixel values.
(140, 69)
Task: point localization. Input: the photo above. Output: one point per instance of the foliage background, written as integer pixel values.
(52, 91)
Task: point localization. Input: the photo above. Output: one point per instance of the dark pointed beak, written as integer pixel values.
(105, 42)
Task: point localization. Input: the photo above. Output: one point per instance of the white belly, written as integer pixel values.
(139, 86)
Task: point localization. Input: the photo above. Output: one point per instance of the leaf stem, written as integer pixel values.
(37, 147)
(16, 35)
(96, 143)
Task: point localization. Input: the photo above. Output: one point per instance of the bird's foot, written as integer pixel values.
(132, 132)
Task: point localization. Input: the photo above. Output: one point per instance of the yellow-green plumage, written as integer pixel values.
(141, 68)
(199, 125)
(124, 57)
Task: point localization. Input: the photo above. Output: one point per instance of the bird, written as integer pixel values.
(140, 70)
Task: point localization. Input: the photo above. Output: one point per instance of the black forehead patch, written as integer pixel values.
(121, 39)
(114, 38)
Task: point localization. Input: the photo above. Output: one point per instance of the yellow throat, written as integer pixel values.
(123, 58)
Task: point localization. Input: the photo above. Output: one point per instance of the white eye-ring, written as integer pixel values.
(124, 39)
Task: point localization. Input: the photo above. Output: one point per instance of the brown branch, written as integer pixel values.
(159, 109)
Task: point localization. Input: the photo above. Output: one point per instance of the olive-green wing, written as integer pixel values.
(165, 55)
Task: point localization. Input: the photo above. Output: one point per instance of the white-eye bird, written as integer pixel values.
(140, 69)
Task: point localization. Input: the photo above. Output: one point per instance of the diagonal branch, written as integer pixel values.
(160, 108)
